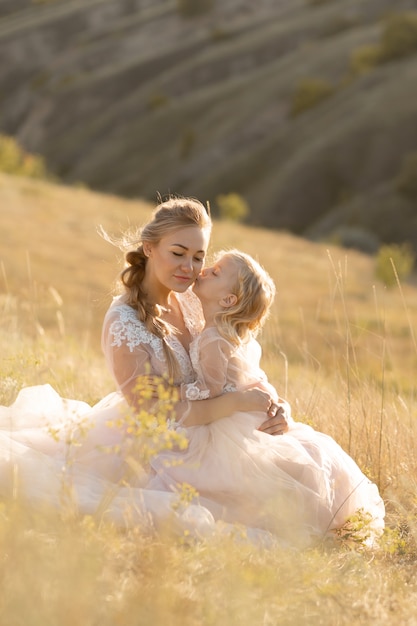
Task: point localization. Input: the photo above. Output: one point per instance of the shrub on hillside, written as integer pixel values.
(406, 181)
(394, 261)
(364, 59)
(232, 206)
(190, 8)
(398, 39)
(399, 36)
(309, 93)
(14, 160)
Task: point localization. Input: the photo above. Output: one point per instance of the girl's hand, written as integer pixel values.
(255, 399)
(277, 423)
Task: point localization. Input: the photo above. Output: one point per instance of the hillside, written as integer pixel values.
(131, 98)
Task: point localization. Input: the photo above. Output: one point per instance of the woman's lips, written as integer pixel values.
(183, 278)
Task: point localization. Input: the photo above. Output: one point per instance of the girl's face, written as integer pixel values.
(177, 259)
(217, 282)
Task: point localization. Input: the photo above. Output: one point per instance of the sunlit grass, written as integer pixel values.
(338, 345)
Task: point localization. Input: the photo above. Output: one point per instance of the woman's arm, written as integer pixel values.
(199, 412)
(203, 412)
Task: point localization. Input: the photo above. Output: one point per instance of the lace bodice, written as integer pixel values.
(131, 350)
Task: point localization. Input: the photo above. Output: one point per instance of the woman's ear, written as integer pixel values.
(228, 301)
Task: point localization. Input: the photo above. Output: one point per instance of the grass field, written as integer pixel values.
(339, 345)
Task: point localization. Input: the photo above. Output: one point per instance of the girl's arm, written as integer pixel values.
(211, 355)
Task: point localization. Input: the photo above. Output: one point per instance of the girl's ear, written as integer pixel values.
(229, 300)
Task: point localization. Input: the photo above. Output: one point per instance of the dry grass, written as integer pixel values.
(338, 345)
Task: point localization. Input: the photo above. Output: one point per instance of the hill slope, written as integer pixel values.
(133, 99)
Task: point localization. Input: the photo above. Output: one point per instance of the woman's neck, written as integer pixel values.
(160, 296)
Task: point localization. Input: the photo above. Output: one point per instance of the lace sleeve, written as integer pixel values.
(129, 348)
(210, 355)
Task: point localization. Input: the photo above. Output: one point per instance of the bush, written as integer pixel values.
(399, 36)
(309, 93)
(364, 59)
(406, 181)
(14, 160)
(232, 206)
(400, 257)
(190, 8)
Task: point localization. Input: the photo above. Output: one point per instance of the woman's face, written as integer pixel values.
(177, 259)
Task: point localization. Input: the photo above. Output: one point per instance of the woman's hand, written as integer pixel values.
(276, 423)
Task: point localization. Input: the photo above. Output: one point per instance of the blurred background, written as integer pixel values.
(298, 115)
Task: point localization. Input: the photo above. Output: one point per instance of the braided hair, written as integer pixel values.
(170, 215)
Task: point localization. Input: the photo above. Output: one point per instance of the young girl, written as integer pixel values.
(299, 486)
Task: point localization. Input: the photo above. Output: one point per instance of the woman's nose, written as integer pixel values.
(187, 264)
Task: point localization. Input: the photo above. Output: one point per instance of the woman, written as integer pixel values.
(53, 447)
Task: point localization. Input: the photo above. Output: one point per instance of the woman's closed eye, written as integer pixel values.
(195, 259)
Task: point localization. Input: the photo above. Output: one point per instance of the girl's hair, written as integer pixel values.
(168, 216)
(255, 291)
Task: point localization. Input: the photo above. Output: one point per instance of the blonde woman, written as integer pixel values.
(57, 446)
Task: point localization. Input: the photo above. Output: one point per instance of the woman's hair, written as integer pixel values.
(168, 216)
(255, 291)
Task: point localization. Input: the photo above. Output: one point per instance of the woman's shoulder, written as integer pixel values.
(120, 311)
(120, 308)
(122, 326)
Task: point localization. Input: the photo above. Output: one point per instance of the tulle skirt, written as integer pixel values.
(299, 486)
(294, 488)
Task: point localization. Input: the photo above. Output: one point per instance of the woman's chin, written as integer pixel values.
(181, 287)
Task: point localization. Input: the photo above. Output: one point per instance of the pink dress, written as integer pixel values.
(55, 450)
(299, 486)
